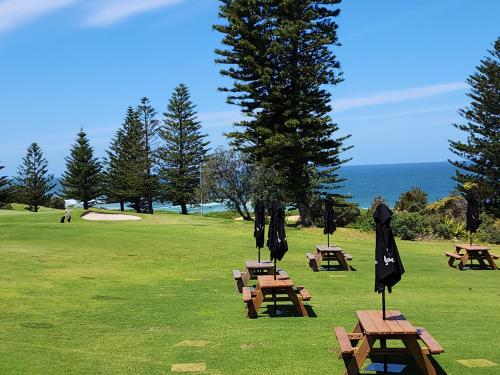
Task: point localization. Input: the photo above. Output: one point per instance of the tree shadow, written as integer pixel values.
(411, 365)
(287, 311)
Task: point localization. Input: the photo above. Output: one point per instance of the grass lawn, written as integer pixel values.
(118, 298)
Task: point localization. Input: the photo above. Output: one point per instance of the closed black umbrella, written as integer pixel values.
(276, 236)
(330, 221)
(473, 212)
(388, 265)
(259, 225)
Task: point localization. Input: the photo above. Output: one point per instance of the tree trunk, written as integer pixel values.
(35, 208)
(122, 206)
(85, 204)
(150, 206)
(184, 210)
(305, 214)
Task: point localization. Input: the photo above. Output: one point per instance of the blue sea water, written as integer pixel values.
(364, 182)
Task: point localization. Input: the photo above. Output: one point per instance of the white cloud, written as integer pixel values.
(396, 96)
(110, 12)
(17, 12)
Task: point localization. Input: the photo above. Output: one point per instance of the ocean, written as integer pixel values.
(364, 182)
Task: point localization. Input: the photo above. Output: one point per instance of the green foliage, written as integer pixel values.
(227, 177)
(83, 178)
(150, 127)
(33, 183)
(345, 212)
(489, 230)
(364, 222)
(182, 152)
(409, 225)
(414, 200)
(128, 177)
(4, 184)
(280, 57)
(479, 154)
(454, 206)
(449, 228)
(57, 203)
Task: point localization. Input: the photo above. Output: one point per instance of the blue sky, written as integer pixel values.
(71, 63)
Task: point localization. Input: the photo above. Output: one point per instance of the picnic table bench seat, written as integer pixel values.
(304, 293)
(345, 344)
(243, 278)
(453, 255)
(495, 256)
(431, 345)
(314, 262)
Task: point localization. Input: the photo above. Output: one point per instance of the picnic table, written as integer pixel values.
(471, 252)
(329, 253)
(357, 346)
(255, 268)
(280, 289)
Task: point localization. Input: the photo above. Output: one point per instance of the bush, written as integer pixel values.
(5, 206)
(454, 206)
(414, 200)
(409, 225)
(345, 212)
(449, 228)
(364, 222)
(57, 203)
(376, 201)
(489, 230)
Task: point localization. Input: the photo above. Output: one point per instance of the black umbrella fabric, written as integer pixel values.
(259, 225)
(330, 222)
(276, 237)
(473, 212)
(388, 265)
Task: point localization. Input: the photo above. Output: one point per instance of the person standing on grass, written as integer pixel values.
(67, 215)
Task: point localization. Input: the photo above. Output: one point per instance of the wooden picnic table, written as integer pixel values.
(357, 346)
(472, 252)
(255, 268)
(335, 253)
(281, 288)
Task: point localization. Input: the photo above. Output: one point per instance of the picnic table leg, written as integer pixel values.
(451, 261)
(256, 303)
(463, 261)
(354, 363)
(342, 260)
(491, 261)
(301, 309)
(423, 361)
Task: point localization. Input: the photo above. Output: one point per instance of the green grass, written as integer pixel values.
(116, 298)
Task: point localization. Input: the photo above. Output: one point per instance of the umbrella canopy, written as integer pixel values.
(276, 236)
(473, 211)
(259, 224)
(388, 265)
(330, 220)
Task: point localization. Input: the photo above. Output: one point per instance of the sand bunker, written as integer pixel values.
(94, 216)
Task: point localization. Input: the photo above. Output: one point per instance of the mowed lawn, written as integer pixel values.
(119, 297)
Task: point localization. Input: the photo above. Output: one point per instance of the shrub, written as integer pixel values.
(454, 206)
(376, 201)
(364, 222)
(57, 203)
(489, 230)
(414, 200)
(449, 228)
(409, 225)
(5, 206)
(345, 212)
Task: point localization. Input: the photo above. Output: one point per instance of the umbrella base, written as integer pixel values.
(392, 368)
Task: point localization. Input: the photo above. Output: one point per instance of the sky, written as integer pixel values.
(66, 64)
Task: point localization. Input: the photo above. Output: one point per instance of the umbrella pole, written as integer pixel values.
(383, 344)
(259, 254)
(274, 293)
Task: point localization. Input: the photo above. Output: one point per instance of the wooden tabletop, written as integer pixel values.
(267, 281)
(325, 248)
(373, 323)
(262, 264)
(471, 247)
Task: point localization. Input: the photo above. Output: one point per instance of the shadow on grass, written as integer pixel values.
(288, 311)
(334, 268)
(411, 366)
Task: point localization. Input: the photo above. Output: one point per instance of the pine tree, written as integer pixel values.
(480, 153)
(183, 150)
(116, 183)
(126, 163)
(4, 184)
(150, 131)
(82, 179)
(33, 184)
(280, 59)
